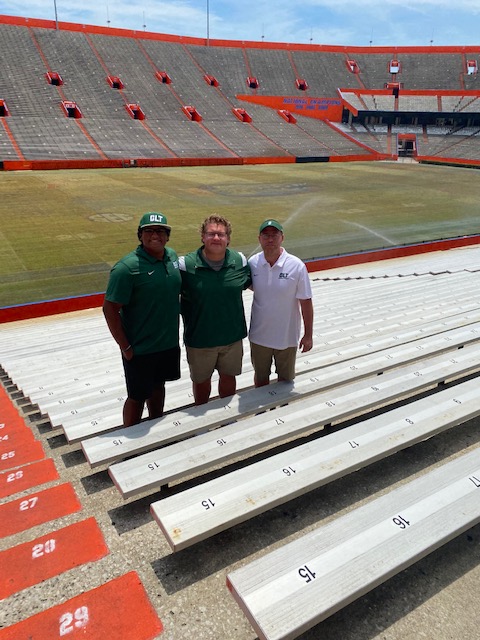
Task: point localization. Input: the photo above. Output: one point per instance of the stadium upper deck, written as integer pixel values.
(90, 96)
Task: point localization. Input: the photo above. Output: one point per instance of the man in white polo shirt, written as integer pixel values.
(282, 299)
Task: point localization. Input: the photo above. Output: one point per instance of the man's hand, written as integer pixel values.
(128, 352)
(305, 344)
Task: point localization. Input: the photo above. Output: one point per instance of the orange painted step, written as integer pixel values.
(10, 424)
(32, 562)
(6, 405)
(31, 475)
(14, 437)
(16, 455)
(14, 429)
(118, 610)
(37, 508)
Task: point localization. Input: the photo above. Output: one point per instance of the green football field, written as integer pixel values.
(62, 230)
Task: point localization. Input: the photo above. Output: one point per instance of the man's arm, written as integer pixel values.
(306, 307)
(111, 311)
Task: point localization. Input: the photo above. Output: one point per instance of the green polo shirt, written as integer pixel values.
(148, 290)
(211, 303)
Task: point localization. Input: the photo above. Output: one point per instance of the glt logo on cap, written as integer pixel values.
(271, 223)
(153, 219)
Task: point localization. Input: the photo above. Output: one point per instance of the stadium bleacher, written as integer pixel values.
(37, 128)
(388, 391)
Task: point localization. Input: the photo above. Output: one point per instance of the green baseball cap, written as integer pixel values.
(153, 219)
(270, 223)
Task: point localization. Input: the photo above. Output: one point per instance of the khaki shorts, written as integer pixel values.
(262, 358)
(226, 360)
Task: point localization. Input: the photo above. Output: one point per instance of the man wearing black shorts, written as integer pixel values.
(142, 311)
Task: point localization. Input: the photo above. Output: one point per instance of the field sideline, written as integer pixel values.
(62, 230)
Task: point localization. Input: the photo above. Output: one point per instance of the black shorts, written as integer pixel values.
(144, 373)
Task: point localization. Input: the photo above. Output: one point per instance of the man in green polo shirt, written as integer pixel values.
(213, 279)
(142, 311)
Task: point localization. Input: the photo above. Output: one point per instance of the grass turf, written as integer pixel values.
(62, 230)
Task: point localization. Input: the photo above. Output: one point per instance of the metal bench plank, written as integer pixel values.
(151, 470)
(150, 434)
(202, 511)
(76, 427)
(71, 407)
(300, 584)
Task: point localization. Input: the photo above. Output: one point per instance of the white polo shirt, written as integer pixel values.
(276, 319)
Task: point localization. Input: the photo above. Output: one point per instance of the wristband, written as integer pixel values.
(127, 349)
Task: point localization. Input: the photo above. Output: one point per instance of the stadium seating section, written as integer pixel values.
(79, 96)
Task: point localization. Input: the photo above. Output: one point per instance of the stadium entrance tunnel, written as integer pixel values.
(115, 82)
(163, 77)
(300, 159)
(4, 112)
(135, 111)
(191, 113)
(241, 114)
(286, 115)
(407, 145)
(54, 78)
(211, 80)
(71, 109)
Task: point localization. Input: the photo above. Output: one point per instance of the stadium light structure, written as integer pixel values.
(208, 23)
(56, 15)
